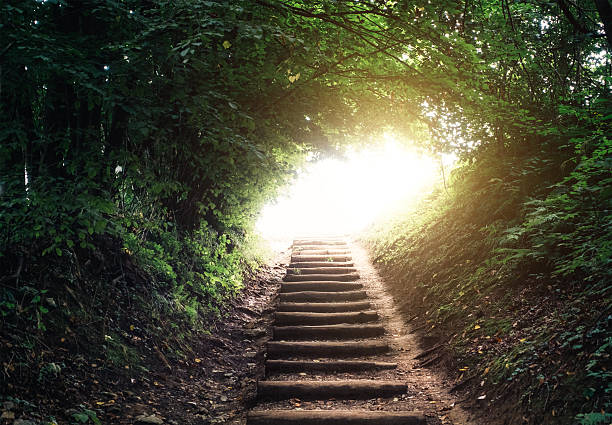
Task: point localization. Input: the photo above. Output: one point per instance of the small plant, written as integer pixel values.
(594, 418)
(85, 416)
(49, 372)
(118, 353)
(26, 302)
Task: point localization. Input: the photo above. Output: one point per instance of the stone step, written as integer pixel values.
(291, 318)
(352, 389)
(299, 248)
(323, 315)
(324, 307)
(321, 270)
(341, 331)
(321, 252)
(331, 366)
(334, 417)
(324, 286)
(313, 264)
(334, 349)
(347, 277)
(322, 297)
(331, 258)
(299, 242)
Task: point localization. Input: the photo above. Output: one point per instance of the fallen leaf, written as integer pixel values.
(7, 415)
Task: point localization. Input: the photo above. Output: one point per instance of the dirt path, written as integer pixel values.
(340, 351)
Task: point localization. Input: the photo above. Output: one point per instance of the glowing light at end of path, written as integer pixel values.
(343, 196)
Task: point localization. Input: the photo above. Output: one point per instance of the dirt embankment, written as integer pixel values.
(144, 370)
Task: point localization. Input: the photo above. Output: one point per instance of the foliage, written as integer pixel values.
(514, 264)
(149, 135)
(192, 114)
(86, 416)
(576, 216)
(141, 123)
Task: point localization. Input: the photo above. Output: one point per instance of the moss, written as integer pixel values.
(118, 353)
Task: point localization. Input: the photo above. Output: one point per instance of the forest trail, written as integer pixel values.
(340, 353)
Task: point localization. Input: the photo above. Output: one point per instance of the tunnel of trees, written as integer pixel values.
(140, 139)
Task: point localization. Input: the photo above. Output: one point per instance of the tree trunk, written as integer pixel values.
(605, 14)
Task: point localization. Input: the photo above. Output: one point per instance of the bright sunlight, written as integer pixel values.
(342, 196)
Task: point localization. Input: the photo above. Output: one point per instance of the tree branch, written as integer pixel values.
(605, 13)
(578, 26)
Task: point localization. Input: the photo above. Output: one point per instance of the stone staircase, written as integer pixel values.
(326, 327)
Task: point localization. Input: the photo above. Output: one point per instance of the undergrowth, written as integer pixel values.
(512, 266)
(120, 305)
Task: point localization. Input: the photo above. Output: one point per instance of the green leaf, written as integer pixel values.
(92, 415)
(81, 417)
